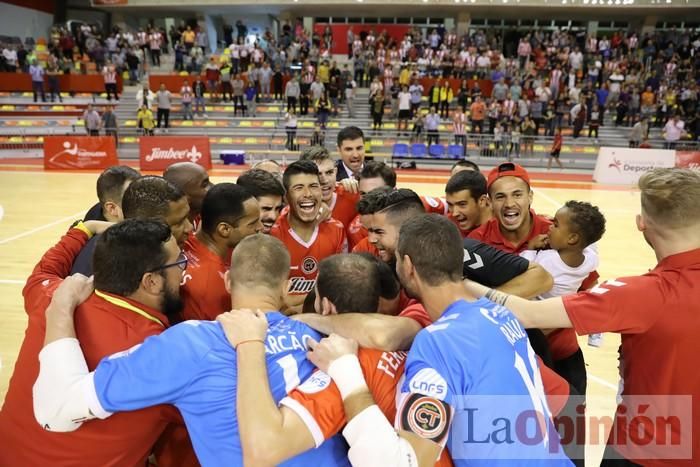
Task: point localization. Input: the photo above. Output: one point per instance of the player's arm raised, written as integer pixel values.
(59, 393)
(269, 435)
(373, 441)
(541, 314)
(371, 330)
(506, 272)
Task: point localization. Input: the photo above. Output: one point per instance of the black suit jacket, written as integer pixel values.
(342, 173)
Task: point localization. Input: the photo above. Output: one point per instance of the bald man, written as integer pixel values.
(193, 180)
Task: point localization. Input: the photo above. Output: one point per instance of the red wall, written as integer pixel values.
(340, 31)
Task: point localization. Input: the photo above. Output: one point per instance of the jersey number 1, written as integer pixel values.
(535, 389)
(290, 372)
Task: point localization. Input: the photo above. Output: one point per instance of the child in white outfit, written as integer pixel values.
(572, 253)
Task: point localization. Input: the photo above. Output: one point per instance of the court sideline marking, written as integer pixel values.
(41, 227)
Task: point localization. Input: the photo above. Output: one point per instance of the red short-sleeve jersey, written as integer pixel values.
(318, 403)
(202, 288)
(343, 205)
(366, 247)
(328, 239)
(657, 315)
(434, 205)
(356, 232)
(490, 233)
(104, 324)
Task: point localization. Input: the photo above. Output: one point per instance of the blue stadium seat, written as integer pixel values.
(436, 150)
(400, 150)
(419, 150)
(455, 151)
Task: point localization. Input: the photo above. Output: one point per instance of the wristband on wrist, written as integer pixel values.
(248, 341)
(347, 374)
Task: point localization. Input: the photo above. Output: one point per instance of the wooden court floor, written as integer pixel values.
(37, 207)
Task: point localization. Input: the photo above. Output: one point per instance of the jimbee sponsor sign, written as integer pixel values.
(159, 152)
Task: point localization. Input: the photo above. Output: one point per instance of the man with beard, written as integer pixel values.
(229, 214)
(387, 212)
(351, 147)
(513, 226)
(375, 174)
(138, 266)
(514, 223)
(467, 200)
(269, 192)
(657, 317)
(338, 199)
(147, 197)
(193, 180)
(307, 240)
(446, 363)
(191, 366)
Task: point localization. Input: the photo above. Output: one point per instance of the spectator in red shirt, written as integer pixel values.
(138, 266)
(229, 214)
(269, 192)
(514, 223)
(657, 316)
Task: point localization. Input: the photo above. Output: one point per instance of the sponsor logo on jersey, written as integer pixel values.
(317, 382)
(309, 265)
(300, 285)
(427, 417)
(429, 383)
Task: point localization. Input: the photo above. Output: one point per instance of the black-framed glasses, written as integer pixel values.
(181, 262)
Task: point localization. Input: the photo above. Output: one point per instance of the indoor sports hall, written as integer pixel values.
(586, 96)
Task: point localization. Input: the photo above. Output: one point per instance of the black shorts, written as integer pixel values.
(555, 154)
(404, 114)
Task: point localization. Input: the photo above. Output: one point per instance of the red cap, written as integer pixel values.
(508, 169)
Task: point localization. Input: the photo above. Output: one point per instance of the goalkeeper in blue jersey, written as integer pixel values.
(191, 366)
(471, 380)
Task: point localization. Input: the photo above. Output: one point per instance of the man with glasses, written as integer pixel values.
(138, 267)
(191, 366)
(229, 214)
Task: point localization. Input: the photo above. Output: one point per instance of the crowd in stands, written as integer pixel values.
(548, 80)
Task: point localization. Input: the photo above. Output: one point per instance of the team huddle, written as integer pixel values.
(321, 315)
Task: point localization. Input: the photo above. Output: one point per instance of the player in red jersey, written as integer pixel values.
(307, 240)
(229, 214)
(194, 181)
(269, 192)
(467, 200)
(340, 197)
(657, 316)
(137, 273)
(513, 226)
(514, 223)
(313, 412)
(391, 209)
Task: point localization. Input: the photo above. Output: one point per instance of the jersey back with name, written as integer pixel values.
(476, 358)
(193, 367)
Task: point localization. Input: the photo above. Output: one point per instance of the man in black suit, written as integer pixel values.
(351, 147)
